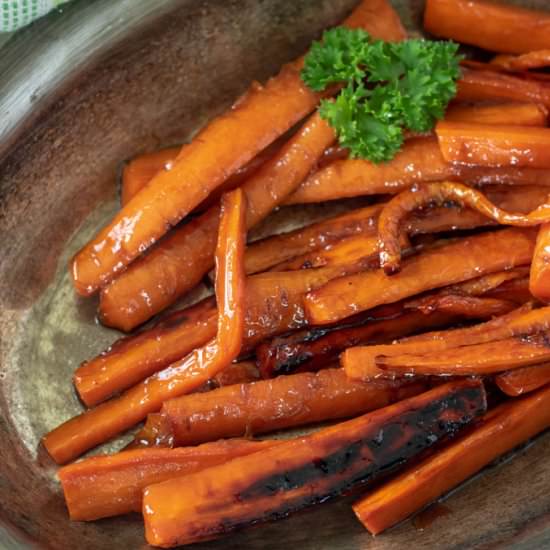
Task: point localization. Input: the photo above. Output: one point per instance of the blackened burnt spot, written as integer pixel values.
(290, 363)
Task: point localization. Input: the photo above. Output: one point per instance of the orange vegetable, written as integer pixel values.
(532, 60)
(516, 290)
(110, 485)
(469, 306)
(520, 114)
(493, 145)
(524, 380)
(271, 405)
(304, 471)
(490, 25)
(457, 261)
(234, 138)
(498, 432)
(489, 85)
(396, 210)
(539, 277)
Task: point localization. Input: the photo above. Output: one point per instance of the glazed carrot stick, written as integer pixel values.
(499, 431)
(506, 28)
(396, 210)
(484, 85)
(472, 360)
(520, 114)
(457, 261)
(234, 138)
(271, 405)
(539, 277)
(137, 172)
(305, 471)
(420, 160)
(527, 379)
(533, 60)
(110, 485)
(494, 145)
(471, 306)
(516, 290)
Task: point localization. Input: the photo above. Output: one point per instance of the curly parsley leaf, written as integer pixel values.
(387, 87)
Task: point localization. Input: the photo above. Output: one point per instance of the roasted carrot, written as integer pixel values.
(420, 160)
(539, 277)
(472, 360)
(304, 471)
(515, 290)
(524, 380)
(533, 60)
(499, 431)
(271, 405)
(110, 485)
(457, 261)
(506, 28)
(234, 138)
(469, 306)
(396, 210)
(520, 114)
(494, 145)
(484, 85)
(137, 172)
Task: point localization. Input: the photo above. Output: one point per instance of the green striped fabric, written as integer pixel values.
(15, 14)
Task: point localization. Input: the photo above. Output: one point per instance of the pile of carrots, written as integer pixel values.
(396, 319)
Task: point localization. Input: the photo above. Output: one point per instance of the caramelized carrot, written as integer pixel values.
(472, 360)
(533, 60)
(520, 114)
(484, 85)
(524, 380)
(304, 471)
(490, 25)
(270, 405)
(137, 172)
(110, 485)
(420, 160)
(441, 266)
(498, 432)
(516, 290)
(539, 277)
(469, 306)
(234, 138)
(494, 145)
(396, 210)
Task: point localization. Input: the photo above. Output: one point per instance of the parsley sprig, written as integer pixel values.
(387, 87)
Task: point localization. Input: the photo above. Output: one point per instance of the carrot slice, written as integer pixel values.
(457, 261)
(234, 138)
(397, 209)
(483, 85)
(472, 360)
(110, 485)
(270, 405)
(533, 60)
(305, 471)
(420, 160)
(539, 277)
(498, 432)
(494, 145)
(524, 380)
(520, 114)
(506, 28)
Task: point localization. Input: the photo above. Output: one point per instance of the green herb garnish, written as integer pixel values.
(387, 87)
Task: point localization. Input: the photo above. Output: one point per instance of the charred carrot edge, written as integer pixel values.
(434, 268)
(539, 277)
(171, 195)
(527, 379)
(472, 360)
(533, 60)
(521, 114)
(506, 28)
(396, 210)
(494, 145)
(483, 85)
(498, 432)
(111, 485)
(320, 466)
(270, 405)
